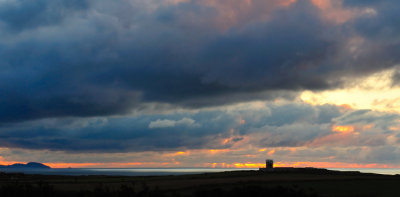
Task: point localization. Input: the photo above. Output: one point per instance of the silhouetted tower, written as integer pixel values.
(269, 164)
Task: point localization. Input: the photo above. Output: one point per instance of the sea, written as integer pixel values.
(164, 171)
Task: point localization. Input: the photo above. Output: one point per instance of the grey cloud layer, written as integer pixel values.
(243, 129)
(93, 58)
(288, 125)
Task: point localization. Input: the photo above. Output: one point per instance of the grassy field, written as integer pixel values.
(237, 183)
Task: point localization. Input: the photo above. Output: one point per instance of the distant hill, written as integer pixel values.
(28, 165)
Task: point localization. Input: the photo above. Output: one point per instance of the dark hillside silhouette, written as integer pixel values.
(33, 165)
(281, 183)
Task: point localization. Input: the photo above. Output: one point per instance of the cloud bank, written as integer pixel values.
(98, 58)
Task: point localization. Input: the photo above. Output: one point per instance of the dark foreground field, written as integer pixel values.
(239, 183)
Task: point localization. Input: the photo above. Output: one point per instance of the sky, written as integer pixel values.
(200, 83)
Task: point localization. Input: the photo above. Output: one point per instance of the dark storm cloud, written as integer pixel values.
(24, 14)
(94, 58)
(380, 30)
(282, 54)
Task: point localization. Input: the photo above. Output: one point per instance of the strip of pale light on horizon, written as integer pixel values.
(335, 165)
(216, 165)
(113, 165)
(300, 164)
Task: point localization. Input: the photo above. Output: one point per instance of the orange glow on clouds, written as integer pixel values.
(393, 128)
(4, 162)
(249, 165)
(179, 153)
(262, 150)
(343, 129)
(346, 106)
(240, 12)
(214, 151)
(391, 139)
(232, 140)
(271, 152)
(322, 4)
(333, 11)
(368, 126)
(287, 3)
(342, 135)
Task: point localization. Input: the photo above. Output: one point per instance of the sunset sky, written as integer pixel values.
(200, 83)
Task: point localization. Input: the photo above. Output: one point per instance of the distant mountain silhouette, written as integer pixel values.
(28, 165)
